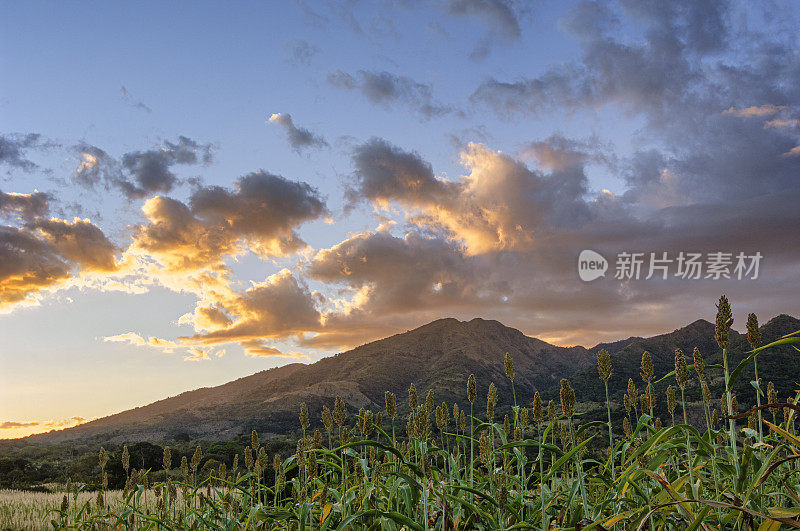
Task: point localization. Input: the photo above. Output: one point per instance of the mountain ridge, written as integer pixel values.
(438, 355)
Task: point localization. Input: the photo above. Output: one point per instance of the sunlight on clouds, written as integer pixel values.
(756, 111)
(17, 429)
(132, 338)
(257, 349)
(43, 255)
(782, 122)
(794, 152)
(88, 163)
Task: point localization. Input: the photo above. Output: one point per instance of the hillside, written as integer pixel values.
(778, 365)
(438, 356)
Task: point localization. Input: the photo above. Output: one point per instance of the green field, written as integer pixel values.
(538, 467)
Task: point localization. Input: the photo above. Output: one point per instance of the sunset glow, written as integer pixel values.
(236, 187)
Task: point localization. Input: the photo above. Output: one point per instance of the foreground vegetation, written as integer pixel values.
(538, 467)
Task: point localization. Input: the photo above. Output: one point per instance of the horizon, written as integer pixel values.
(84, 421)
(255, 185)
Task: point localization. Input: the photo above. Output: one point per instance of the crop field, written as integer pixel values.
(445, 467)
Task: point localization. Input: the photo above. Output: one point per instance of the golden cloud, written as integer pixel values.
(45, 253)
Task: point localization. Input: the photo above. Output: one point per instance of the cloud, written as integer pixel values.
(278, 307)
(133, 102)
(26, 206)
(27, 265)
(258, 349)
(384, 172)
(260, 214)
(95, 166)
(498, 14)
(37, 426)
(794, 152)
(712, 165)
(150, 171)
(13, 425)
(632, 76)
(756, 112)
(511, 234)
(299, 137)
(166, 346)
(79, 242)
(139, 174)
(500, 17)
(184, 246)
(178, 240)
(388, 274)
(44, 253)
(263, 209)
(500, 204)
(386, 90)
(14, 148)
(132, 338)
(300, 51)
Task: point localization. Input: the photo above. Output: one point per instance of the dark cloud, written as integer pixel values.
(399, 274)
(133, 102)
(96, 166)
(26, 206)
(513, 232)
(711, 131)
(150, 171)
(499, 15)
(14, 148)
(384, 172)
(386, 89)
(262, 206)
(139, 174)
(299, 138)
(300, 51)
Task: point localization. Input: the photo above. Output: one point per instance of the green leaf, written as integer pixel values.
(755, 352)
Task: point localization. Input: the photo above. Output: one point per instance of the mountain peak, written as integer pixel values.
(780, 326)
(437, 356)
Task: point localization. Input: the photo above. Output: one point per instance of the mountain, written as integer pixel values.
(438, 356)
(626, 361)
(614, 346)
(779, 365)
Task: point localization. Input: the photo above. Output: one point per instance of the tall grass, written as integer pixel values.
(361, 476)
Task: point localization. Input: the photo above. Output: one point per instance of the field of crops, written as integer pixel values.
(448, 468)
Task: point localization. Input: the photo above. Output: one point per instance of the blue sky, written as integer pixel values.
(444, 158)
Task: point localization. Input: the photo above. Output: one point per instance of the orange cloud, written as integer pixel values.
(135, 339)
(499, 205)
(756, 111)
(45, 253)
(15, 429)
(794, 152)
(278, 307)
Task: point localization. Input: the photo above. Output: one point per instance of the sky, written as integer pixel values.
(191, 193)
